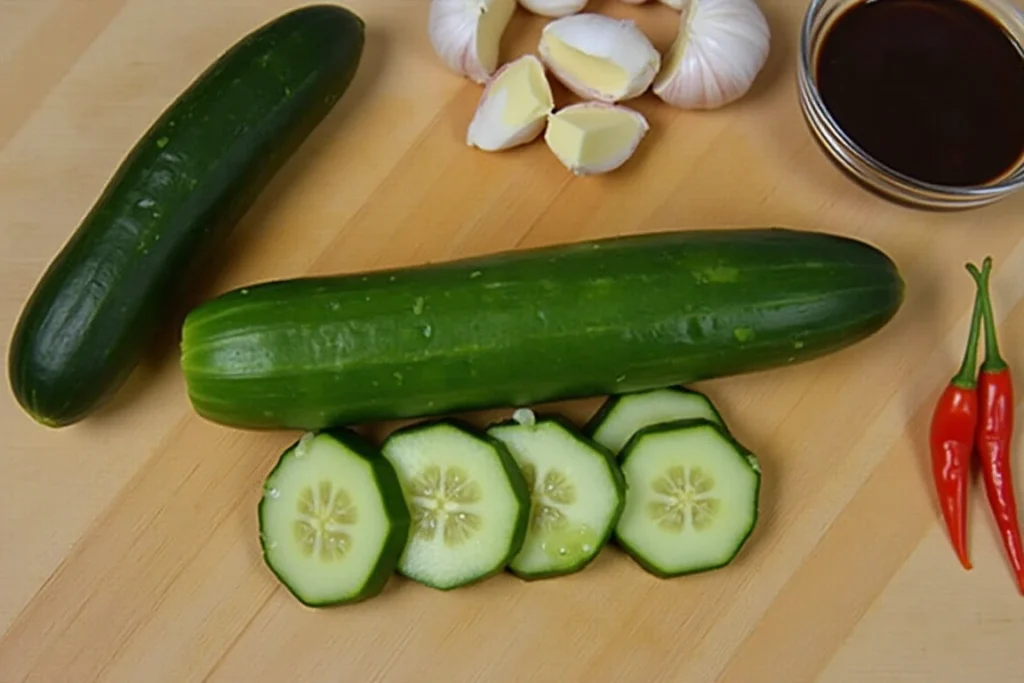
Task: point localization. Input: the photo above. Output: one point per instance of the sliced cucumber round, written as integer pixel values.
(623, 415)
(470, 504)
(332, 519)
(577, 495)
(692, 497)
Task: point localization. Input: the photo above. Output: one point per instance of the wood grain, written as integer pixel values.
(128, 547)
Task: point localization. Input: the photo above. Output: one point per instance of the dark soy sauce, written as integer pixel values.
(933, 89)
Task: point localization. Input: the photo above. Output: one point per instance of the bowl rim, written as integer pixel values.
(1009, 17)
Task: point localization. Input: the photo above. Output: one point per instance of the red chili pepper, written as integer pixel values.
(952, 437)
(995, 431)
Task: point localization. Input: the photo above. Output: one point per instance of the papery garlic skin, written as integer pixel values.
(514, 107)
(553, 8)
(598, 57)
(594, 137)
(466, 34)
(721, 47)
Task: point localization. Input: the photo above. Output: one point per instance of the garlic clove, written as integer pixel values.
(594, 137)
(513, 108)
(674, 4)
(466, 34)
(719, 50)
(598, 57)
(553, 8)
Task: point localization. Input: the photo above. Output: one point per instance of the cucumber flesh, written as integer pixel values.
(468, 499)
(692, 497)
(623, 415)
(577, 495)
(332, 519)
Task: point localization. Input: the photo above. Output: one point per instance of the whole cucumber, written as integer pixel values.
(188, 179)
(528, 326)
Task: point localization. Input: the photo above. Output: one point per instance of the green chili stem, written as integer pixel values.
(967, 376)
(993, 359)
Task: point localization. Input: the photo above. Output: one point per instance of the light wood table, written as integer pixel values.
(128, 542)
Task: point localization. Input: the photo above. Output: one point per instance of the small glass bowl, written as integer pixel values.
(854, 160)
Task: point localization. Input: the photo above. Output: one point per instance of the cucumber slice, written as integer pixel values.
(469, 502)
(623, 415)
(692, 497)
(332, 519)
(577, 491)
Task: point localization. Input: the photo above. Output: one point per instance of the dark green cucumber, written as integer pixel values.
(333, 520)
(188, 179)
(524, 327)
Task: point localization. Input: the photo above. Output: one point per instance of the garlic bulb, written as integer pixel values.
(598, 57)
(553, 8)
(719, 50)
(513, 108)
(466, 34)
(594, 137)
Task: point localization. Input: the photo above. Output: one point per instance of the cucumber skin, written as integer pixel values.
(531, 326)
(516, 480)
(617, 477)
(627, 450)
(394, 507)
(195, 172)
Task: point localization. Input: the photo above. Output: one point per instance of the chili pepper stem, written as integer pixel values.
(993, 359)
(967, 376)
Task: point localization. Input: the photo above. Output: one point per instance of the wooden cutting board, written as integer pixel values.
(128, 543)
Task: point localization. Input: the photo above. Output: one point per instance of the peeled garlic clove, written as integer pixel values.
(553, 8)
(674, 4)
(594, 137)
(598, 57)
(466, 34)
(719, 50)
(513, 108)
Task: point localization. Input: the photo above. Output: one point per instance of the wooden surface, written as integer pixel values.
(128, 543)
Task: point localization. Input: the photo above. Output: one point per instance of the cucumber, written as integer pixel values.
(519, 328)
(623, 415)
(469, 502)
(333, 521)
(577, 494)
(169, 204)
(692, 498)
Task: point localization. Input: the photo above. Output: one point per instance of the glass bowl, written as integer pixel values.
(860, 165)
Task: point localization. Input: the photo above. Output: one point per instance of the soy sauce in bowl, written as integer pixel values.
(926, 93)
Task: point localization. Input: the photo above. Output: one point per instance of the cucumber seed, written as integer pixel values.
(324, 513)
(683, 497)
(439, 500)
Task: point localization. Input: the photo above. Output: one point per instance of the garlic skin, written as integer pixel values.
(594, 137)
(513, 108)
(598, 57)
(553, 8)
(466, 34)
(721, 47)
